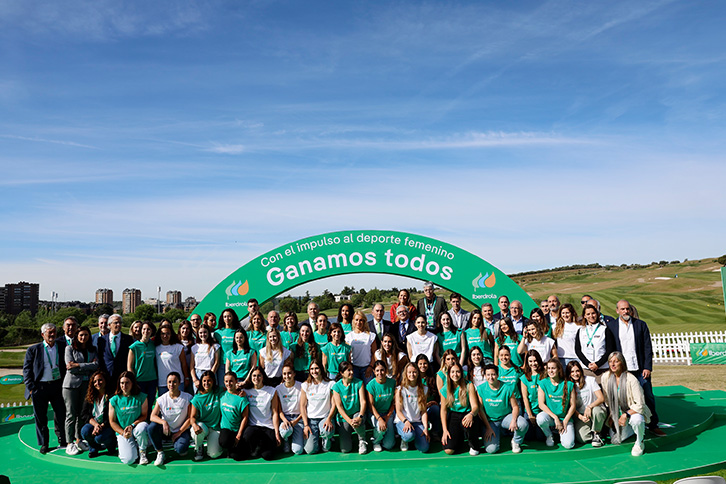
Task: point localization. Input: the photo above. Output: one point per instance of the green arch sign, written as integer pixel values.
(363, 251)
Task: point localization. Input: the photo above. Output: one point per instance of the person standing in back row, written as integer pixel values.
(431, 306)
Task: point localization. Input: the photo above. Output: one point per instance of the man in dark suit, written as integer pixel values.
(70, 328)
(378, 325)
(503, 308)
(632, 339)
(313, 311)
(459, 317)
(113, 350)
(43, 371)
(403, 327)
(517, 318)
(431, 307)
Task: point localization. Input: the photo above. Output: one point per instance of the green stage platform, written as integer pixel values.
(694, 445)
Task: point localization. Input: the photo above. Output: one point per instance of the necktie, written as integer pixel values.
(114, 344)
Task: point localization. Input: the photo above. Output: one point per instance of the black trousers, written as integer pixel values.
(260, 441)
(235, 450)
(459, 434)
(49, 393)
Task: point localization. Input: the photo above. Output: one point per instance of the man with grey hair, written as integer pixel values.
(70, 328)
(273, 320)
(517, 316)
(431, 307)
(102, 328)
(43, 371)
(313, 311)
(378, 325)
(113, 349)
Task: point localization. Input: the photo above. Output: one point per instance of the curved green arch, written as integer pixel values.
(363, 251)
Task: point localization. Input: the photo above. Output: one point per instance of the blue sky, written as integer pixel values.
(167, 143)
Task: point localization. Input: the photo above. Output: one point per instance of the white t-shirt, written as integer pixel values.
(261, 406)
(477, 376)
(566, 342)
(273, 369)
(289, 398)
(167, 360)
(422, 345)
(203, 356)
(409, 400)
(174, 410)
(379, 356)
(586, 394)
(543, 347)
(360, 344)
(319, 398)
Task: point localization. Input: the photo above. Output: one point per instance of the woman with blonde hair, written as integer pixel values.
(272, 357)
(363, 345)
(565, 333)
(411, 404)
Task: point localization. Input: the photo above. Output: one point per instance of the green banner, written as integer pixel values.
(11, 380)
(13, 414)
(363, 251)
(723, 285)
(708, 353)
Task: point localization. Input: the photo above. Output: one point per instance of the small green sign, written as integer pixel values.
(11, 380)
(708, 353)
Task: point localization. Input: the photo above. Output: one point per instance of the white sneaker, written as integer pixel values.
(516, 448)
(362, 447)
(159, 461)
(83, 445)
(72, 449)
(596, 440)
(473, 452)
(637, 450)
(199, 454)
(550, 441)
(404, 445)
(143, 460)
(377, 448)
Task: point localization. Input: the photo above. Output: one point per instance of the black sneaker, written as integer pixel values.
(43, 449)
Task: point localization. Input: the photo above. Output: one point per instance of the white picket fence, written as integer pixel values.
(674, 348)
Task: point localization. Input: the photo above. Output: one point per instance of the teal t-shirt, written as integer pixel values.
(258, 339)
(127, 409)
(240, 363)
(347, 328)
(556, 394)
(349, 396)
(382, 394)
(448, 340)
(496, 403)
(456, 407)
(510, 377)
(144, 360)
(336, 355)
(301, 363)
(512, 345)
(473, 338)
(320, 339)
(225, 338)
(532, 393)
(208, 409)
(288, 338)
(231, 407)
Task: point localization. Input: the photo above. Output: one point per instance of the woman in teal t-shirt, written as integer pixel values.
(450, 338)
(508, 373)
(557, 402)
(304, 352)
(478, 335)
(534, 372)
(381, 391)
(142, 361)
(127, 411)
(224, 336)
(447, 360)
(206, 416)
(241, 358)
(459, 413)
(289, 335)
(257, 332)
(234, 411)
(336, 351)
(508, 337)
(349, 398)
(321, 330)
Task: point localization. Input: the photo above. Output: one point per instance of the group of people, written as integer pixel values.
(261, 386)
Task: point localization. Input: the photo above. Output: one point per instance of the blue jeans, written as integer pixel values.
(387, 439)
(421, 443)
(107, 437)
(317, 432)
(502, 426)
(156, 432)
(295, 433)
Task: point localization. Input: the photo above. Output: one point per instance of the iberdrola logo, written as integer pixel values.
(238, 288)
(703, 352)
(485, 281)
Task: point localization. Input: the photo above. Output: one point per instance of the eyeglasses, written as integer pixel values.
(584, 302)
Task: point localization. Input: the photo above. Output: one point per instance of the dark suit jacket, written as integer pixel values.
(643, 345)
(439, 307)
(396, 330)
(498, 316)
(386, 327)
(106, 361)
(34, 365)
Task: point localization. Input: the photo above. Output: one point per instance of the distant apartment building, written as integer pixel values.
(173, 298)
(131, 299)
(104, 296)
(20, 297)
(190, 303)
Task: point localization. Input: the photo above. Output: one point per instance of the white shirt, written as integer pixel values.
(289, 398)
(543, 347)
(319, 398)
(456, 318)
(174, 410)
(379, 356)
(566, 342)
(273, 369)
(422, 345)
(203, 357)
(627, 344)
(47, 366)
(261, 406)
(477, 376)
(586, 394)
(379, 327)
(360, 344)
(409, 407)
(167, 360)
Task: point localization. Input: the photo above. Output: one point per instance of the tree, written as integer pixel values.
(357, 300)
(373, 296)
(289, 304)
(103, 309)
(347, 291)
(722, 260)
(175, 314)
(144, 312)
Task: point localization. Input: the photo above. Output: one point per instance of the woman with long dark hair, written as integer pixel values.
(127, 413)
(97, 429)
(557, 402)
(142, 361)
(241, 358)
(350, 401)
(317, 409)
(460, 420)
(206, 415)
(81, 362)
(590, 413)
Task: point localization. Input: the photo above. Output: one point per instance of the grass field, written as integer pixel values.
(12, 359)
